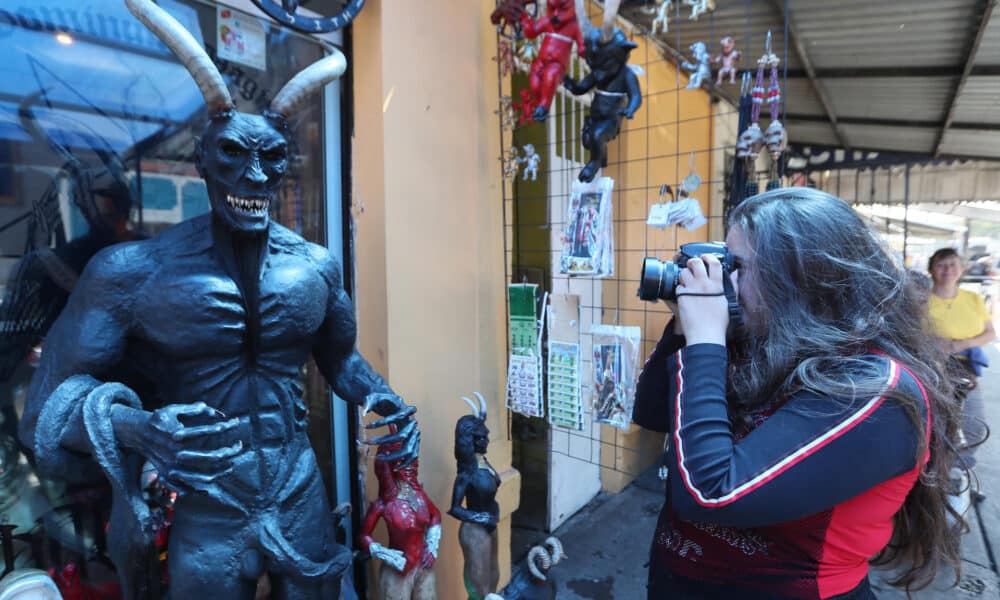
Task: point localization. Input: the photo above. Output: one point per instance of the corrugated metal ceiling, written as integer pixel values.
(891, 72)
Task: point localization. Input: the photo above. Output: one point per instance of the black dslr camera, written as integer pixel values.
(660, 278)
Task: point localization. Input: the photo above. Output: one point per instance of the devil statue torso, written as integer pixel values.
(193, 336)
(407, 519)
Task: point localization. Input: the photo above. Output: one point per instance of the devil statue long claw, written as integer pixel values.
(402, 415)
(406, 455)
(396, 436)
(382, 403)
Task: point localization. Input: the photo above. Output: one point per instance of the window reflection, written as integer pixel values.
(97, 128)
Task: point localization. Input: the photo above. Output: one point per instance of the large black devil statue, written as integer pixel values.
(219, 314)
(616, 87)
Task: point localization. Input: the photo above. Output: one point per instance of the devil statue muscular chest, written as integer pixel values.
(198, 337)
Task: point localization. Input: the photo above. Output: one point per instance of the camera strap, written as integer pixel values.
(735, 313)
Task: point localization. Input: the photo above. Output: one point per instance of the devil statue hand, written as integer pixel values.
(186, 456)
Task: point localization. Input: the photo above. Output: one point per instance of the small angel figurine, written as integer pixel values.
(729, 57)
(509, 161)
(699, 69)
(700, 6)
(662, 19)
(531, 160)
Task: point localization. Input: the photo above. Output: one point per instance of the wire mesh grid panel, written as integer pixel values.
(673, 135)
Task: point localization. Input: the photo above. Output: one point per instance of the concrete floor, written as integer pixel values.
(607, 543)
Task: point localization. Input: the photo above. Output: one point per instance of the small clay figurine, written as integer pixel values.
(531, 159)
(616, 86)
(699, 6)
(525, 107)
(476, 482)
(729, 57)
(506, 112)
(662, 19)
(505, 57)
(527, 51)
(414, 527)
(700, 70)
(509, 162)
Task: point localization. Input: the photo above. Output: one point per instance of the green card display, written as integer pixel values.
(524, 365)
(523, 319)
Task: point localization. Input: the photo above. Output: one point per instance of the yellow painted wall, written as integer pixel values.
(654, 148)
(429, 245)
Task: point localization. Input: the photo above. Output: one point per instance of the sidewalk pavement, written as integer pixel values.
(607, 543)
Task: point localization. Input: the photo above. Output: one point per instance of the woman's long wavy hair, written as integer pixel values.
(831, 293)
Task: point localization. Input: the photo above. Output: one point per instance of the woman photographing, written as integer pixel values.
(806, 438)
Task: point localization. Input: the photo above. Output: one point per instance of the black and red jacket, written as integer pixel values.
(792, 506)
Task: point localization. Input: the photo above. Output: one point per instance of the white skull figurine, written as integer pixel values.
(750, 142)
(776, 139)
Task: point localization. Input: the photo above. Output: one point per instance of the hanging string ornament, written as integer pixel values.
(775, 138)
(510, 161)
(751, 141)
(506, 113)
(505, 57)
(738, 183)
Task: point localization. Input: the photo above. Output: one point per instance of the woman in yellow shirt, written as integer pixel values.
(960, 319)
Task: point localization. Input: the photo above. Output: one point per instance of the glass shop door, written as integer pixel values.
(97, 129)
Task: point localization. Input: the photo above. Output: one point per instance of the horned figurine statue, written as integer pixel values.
(218, 314)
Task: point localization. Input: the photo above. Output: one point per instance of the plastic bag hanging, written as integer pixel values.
(588, 241)
(616, 366)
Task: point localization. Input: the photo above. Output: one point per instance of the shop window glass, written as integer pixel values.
(97, 128)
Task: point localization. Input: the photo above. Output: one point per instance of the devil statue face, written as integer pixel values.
(242, 159)
(606, 59)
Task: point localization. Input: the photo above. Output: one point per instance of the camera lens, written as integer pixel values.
(658, 280)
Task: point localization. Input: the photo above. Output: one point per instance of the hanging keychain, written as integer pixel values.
(776, 138)
(692, 181)
(752, 140)
(659, 213)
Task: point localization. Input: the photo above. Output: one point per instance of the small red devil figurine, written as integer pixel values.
(560, 28)
(414, 526)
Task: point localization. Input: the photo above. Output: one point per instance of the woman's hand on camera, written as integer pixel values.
(703, 317)
(672, 305)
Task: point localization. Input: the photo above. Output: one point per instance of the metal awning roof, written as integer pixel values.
(918, 76)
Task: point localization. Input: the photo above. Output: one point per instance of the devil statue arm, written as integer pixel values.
(83, 351)
(350, 375)
(432, 538)
(581, 87)
(480, 517)
(633, 92)
(88, 339)
(394, 558)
